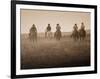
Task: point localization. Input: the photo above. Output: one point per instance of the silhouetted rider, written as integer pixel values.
(48, 28)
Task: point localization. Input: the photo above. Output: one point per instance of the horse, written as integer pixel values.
(82, 34)
(33, 36)
(75, 35)
(57, 35)
(48, 34)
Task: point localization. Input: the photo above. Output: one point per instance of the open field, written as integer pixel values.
(46, 53)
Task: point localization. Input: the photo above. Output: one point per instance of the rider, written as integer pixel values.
(75, 32)
(48, 28)
(82, 26)
(58, 34)
(82, 31)
(58, 27)
(33, 28)
(32, 31)
(75, 27)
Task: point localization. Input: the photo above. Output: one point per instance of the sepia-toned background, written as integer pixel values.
(42, 18)
(51, 53)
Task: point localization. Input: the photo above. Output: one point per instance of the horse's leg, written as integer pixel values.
(80, 37)
(32, 43)
(45, 34)
(50, 35)
(60, 36)
(36, 43)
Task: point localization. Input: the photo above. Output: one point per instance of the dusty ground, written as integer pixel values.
(51, 53)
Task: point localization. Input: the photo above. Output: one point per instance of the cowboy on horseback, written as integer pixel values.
(75, 27)
(82, 26)
(58, 27)
(82, 32)
(58, 34)
(33, 33)
(48, 27)
(75, 33)
(33, 28)
(48, 31)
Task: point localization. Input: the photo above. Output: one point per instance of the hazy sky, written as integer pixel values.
(41, 19)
